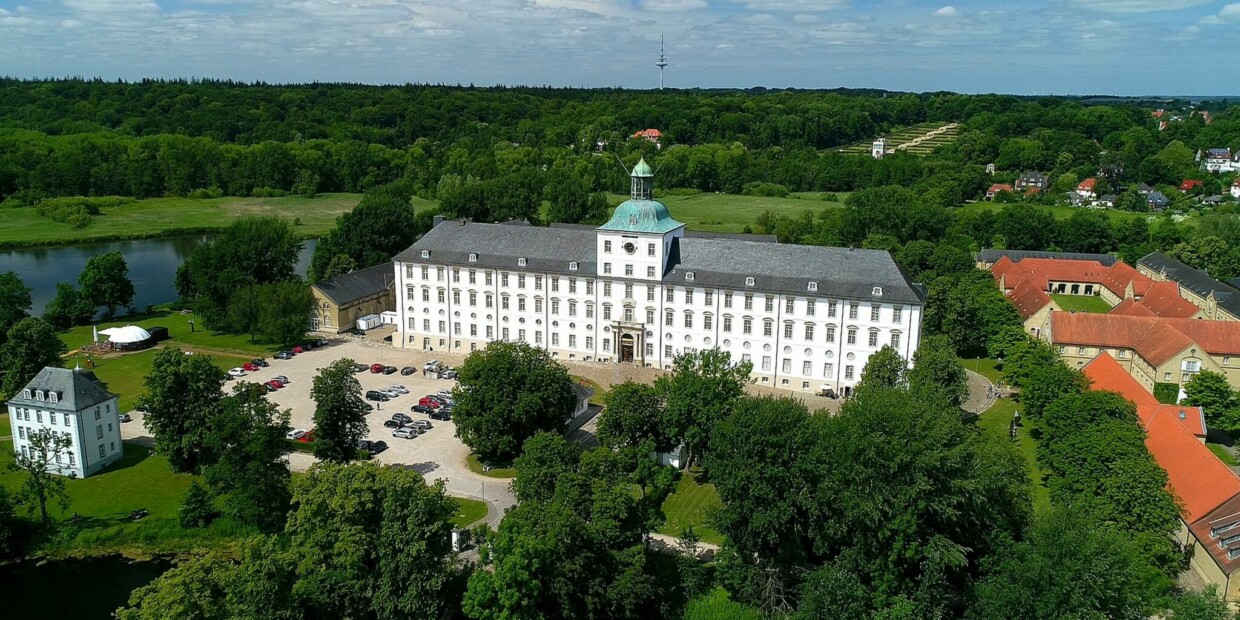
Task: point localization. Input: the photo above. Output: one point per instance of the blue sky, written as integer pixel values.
(1125, 47)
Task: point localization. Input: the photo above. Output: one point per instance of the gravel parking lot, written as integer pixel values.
(436, 454)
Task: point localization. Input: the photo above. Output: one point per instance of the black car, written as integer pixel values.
(285, 355)
(408, 370)
(401, 418)
(368, 407)
(360, 368)
(389, 370)
(391, 424)
(377, 446)
(422, 409)
(441, 415)
(321, 342)
(125, 417)
(260, 362)
(377, 396)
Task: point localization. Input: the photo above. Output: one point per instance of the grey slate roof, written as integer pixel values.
(722, 262)
(358, 284)
(697, 234)
(1195, 280)
(76, 390)
(990, 256)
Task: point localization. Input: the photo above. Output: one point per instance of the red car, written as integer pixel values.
(308, 437)
(430, 401)
(299, 349)
(273, 384)
(251, 367)
(376, 368)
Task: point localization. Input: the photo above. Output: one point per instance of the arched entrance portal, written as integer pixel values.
(626, 349)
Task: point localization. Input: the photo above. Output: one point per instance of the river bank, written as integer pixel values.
(154, 218)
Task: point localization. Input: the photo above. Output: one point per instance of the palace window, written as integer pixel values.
(809, 331)
(520, 281)
(649, 249)
(521, 263)
(538, 283)
(606, 312)
(809, 307)
(555, 285)
(606, 268)
(852, 311)
(572, 341)
(895, 340)
(790, 305)
(852, 335)
(727, 300)
(628, 291)
(555, 339)
(572, 287)
(426, 272)
(831, 309)
(770, 303)
(667, 352)
(456, 297)
(649, 315)
(607, 289)
(439, 274)
(473, 299)
(589, 342)
(589, 311)
(749, 302)
(607, 246)
(589, 287)
(488, 278)
(806, 368)
(688, 320)
(473, 258)
(473, 330)
(727, 324)
(456, 274)
(650, 293)
(873, 338)
(555, 306)
(897, 314)
(442, 296)
(538, 304)
(877, 292)
(874, 313)
(813, 287)
(426, 295)
(710, 298)
(650, 271)
(668, 318)
(426, 253)
(628, 269)
(788, 329)
(572, 308)
(473, 276)
(787, 365)
(688, 276)
(848, 372)
(489, 300)
(572, 266)
(688, 296)
(671, 295)
(707, 321)
(628, 314)
(766, 363)
(768, 327)
(503, 302)
(747, 326)
(503, 279)
(749, 281)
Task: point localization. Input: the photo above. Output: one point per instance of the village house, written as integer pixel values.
(1217, 160)
(1088, 188)
(1033, 180)
(996, 188)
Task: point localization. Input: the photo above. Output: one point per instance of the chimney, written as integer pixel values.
(436, 220)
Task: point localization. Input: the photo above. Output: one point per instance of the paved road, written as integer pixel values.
(982, 393)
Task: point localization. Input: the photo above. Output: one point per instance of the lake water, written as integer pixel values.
(152, 266)
(83, 589)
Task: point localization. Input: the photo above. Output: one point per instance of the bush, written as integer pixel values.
(1167, 393)
(268, 192)
(762, 188)
(207, 192)
(198, 507)
(76, 211)
(830, 197)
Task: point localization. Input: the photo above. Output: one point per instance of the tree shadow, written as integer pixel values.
(133, 454)
(423, 468)
(1220, 437)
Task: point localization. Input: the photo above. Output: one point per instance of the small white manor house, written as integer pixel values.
(74, 403)
(640, 289)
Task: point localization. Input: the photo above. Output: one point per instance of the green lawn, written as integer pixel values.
(5, 429)
(984, 366)
(1082, 303)
(469, 511)
(717, 605)
(1222, 454)
(156, 217)
(179, 333)
(495, 472)
(996, 420)
(731, 212)
(125, 374)
(690, 505)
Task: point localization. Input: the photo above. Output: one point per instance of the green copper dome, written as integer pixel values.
(642, 169)
(641, 216)
(642, 213)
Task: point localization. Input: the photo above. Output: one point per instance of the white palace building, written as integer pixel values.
(640, 290)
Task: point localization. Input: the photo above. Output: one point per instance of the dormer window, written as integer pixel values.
(39, 395)
(688, 276)
(520, 262)
(571, 266)
(426, 253)
(749, 281)
(878, 291)
(52, 397)
(813, 287)
(26, 394)
(473, 258)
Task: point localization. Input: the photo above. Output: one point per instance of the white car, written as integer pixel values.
(296, 433)
(400, 388)
(389, 392)
(444, 393)
(405, 432)
(236, 372)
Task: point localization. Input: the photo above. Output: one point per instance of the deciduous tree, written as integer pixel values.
(507, 393)
(182, 395)
(31, 346)
(68, 308)
(45, 482)
(15, 302)
(634, 414)
(936, 367)
(105, 282)
(285, 315)
(245, 439)
(339, 412)
(700, 391)
(885, 368)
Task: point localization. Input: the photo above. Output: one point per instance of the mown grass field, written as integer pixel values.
(468, 511)
(717, 605)
(995, 421)
(731, 213)
(161, 217)
(125, 374)
(1082, 303)
(476, 466)
(690, 505)
(179, 334)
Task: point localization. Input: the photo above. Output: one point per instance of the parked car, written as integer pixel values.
(377, 446)
(391, 424)
(408, 370)
(284, 355)
(299, 349)
(320, 342)
(260, 362)
(125, 417)
(250, 367)
(422, 409)
(402, 418)
(236, 372)
(422, 425)
(442, 414)
(282, 379)
(273, 385)
(448, 374)
(444, 393)
(405, 432)
(388, 370)
(427, 401)
(296, 433)
(360, 368)
(308, 437)
(377, 396)
(431, 365)
(369, 407)
(376, 368)
(399, 388)
(389, 392)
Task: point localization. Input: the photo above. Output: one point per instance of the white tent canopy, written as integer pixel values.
(127, 334)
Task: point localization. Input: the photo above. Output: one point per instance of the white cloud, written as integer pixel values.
(947, 11)
(845, 33)
(673, 6)
(797, 5)
(1229, 13)
(1136, 6)
(804, 18)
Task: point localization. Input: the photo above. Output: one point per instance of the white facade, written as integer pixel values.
(93, 429)
(630, 301)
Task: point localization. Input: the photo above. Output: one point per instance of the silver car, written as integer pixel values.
(405, 432)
